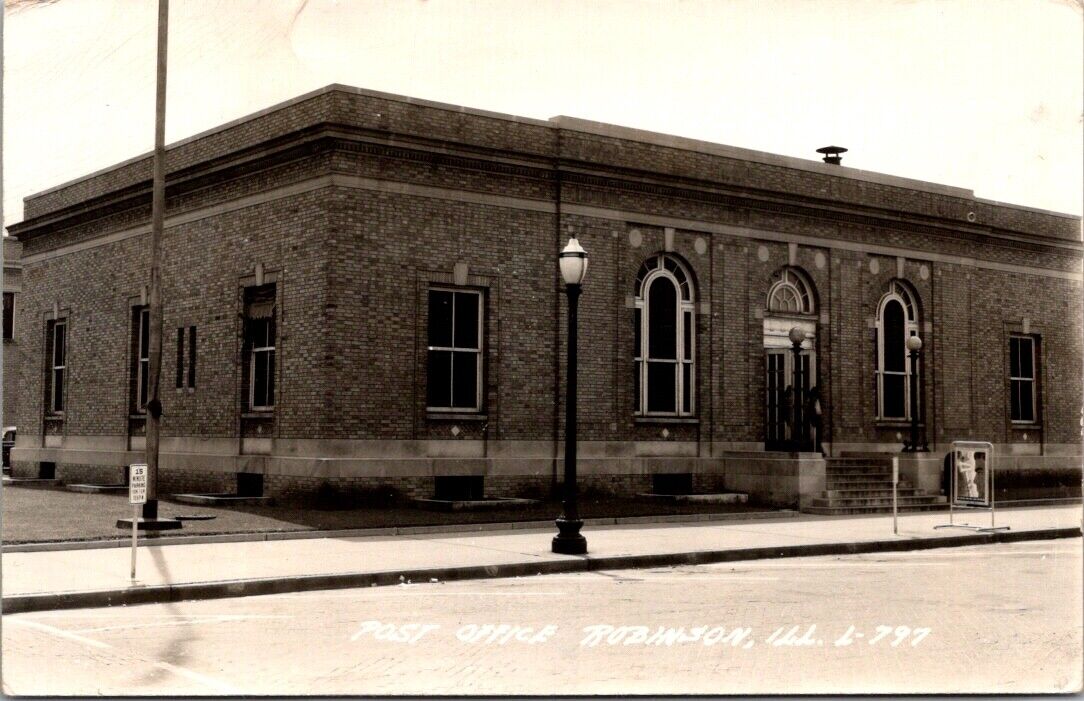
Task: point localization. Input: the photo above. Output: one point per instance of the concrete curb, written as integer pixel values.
(281, 585)
(124, 541)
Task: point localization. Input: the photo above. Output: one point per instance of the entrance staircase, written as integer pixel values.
(863, 485)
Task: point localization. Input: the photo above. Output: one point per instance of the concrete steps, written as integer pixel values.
(860, 510)
(850, 481)
(884, 502)
(862, 484)
(880, 492)
(866, 471)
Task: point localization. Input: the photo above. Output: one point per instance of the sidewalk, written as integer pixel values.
(99, 577)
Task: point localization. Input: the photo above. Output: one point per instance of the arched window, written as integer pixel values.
(665, 337)
(791, 294)
(897, 320)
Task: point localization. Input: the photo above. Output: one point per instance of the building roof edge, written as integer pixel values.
(598, 128)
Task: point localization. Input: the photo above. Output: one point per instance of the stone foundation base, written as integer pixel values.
(351, 492)
(90, 474)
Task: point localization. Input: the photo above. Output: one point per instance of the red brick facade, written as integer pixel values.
(355, 203)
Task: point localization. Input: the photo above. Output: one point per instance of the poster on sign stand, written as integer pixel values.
(971, 485)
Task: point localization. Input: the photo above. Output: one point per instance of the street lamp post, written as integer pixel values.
(569, 541)
(796, 336)
(914, 345)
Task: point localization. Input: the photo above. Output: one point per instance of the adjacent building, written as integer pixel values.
(361, 290)
(12, 287)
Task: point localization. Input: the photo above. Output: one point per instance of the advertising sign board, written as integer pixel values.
(971, 477)
(972, 482)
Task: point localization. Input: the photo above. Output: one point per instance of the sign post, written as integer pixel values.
(895, 489)
(137, 495)
(972, 483)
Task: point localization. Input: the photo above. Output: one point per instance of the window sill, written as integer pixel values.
(665, 420)
(268, 414)
(54, 417)
(454, 416)
(1024, 426)
(138, 416)
(896, 423)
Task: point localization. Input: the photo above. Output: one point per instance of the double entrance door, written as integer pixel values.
(788, 381)
(785, 390)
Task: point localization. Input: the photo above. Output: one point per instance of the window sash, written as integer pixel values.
(179, 375)
(191, 357)
(449, 353)
(450, 358)
(262, 367)
(60, 346)
(57, 403)
(910, 328)
(9, 316)
(141, 332)
(261, 355)
(259, 346)
(1017, 373)
(1022, 412)
(58, 366)
(1019, 411)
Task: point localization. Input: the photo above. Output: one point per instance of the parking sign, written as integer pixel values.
(137, 484)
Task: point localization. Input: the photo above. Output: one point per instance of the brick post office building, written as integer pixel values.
(362, 289)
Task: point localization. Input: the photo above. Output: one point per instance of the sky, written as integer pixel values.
(981, 94)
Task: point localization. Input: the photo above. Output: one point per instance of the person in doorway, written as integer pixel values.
(787, 404)
(814, 411)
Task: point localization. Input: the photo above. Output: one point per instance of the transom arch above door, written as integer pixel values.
(791, 293)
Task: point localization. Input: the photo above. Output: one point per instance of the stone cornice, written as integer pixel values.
(327, 137)
(616, 179)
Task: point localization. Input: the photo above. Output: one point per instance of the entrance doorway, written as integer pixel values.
(791, 311)
(781, 383)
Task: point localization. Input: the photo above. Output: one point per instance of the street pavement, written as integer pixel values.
(1003, 618)
(107, 569)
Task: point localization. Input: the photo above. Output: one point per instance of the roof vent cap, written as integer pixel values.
(832, 154)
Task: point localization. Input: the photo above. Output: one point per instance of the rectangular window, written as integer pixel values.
(260, 347)
(455, 350)
(9, 316)
(1022, 374)
(180, 358)
(141, 343)
(56, 353)
(191, 357)
(186, 375)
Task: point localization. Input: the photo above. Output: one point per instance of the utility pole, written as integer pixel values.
(158, 207)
